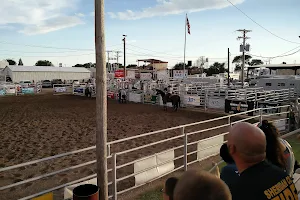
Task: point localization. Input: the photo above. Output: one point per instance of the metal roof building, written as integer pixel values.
(280, 69)
(38, 73)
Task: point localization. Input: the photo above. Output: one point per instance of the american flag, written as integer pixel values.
(188, 25)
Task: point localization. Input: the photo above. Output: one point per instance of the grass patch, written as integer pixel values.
(157, 195)
(296, 147)
(152, 195)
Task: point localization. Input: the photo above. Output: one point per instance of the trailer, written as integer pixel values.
(280, 82)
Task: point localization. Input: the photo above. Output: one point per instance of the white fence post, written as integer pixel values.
(108, 150)
(229, 121)
(114, 174)
(184, 149)
(260, 115)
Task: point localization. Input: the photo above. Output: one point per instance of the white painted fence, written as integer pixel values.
(11, 89)
(59, 89)
(157, 165)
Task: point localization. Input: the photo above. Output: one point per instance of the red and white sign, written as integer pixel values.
(119, 73)
(110, 95)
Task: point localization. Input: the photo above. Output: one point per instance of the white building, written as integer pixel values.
(3, 64)
(38, 73)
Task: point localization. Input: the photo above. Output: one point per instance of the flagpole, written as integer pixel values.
(185, 25)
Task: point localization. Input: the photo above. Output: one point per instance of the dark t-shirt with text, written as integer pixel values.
(230, 175)
(264, 181)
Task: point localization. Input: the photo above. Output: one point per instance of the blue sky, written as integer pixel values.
(155, 29)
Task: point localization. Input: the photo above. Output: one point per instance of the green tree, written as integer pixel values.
(43, 63)
(179, 66)
(20, 62)
(256, 62)
(216, 68)
(237, 60)
(86, 65)
(11, 62)
(132, 66)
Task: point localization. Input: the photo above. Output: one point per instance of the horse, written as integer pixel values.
(175, 99)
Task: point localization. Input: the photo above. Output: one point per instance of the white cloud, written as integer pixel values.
(171, 7)
(38, 16)
(92, 14)
(80, 14)
(53, 24)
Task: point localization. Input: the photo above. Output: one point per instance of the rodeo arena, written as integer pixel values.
(161, 122)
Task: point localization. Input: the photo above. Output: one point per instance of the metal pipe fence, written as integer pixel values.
(182, 139)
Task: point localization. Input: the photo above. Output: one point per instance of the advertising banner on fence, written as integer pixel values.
(60, 89)
(130, 74)
(216, 102)
(28, 90)
(148, 98)
(110, 94)
(192, 100)
(232, 106)
(179, 73)
(119, 73)
(269, 105)
(134, 97)
(2, 92)
(145, 76)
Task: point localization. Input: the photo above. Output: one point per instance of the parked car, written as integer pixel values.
(25, 83)
(56, 81)
(46, 84)
(75, 82)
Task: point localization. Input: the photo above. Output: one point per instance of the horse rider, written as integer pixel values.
(123, 95)
(168, 91)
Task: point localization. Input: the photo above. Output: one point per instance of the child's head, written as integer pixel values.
(224, 153)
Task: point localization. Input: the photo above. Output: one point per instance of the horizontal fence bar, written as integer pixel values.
(143, 135)
(151, 144)
(149, 168)
(215, 145)
(46, 175)
(242, 120)
(209, 138)
(126, 190)
(145, 158)
(208, 129)
(46, 159)
(272, 114)
(59, 187)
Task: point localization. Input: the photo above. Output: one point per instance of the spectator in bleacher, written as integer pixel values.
(258, 179)
(229, 173)
(169, 187)
(278, 151)
(201, 186)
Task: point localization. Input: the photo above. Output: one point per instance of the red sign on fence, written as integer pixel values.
(119, 73)
(110, 95)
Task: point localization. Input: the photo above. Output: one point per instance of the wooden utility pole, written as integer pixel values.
(228, 74)
(124, 40)
(101, 101)
(244, 31)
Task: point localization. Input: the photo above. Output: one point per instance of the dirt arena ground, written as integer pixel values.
(33, 127)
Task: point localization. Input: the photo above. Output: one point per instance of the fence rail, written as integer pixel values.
(183, 136)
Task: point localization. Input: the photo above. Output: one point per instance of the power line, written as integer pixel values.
(51, 55)
(38, 52)
(261, 25)
(281, 55)
(49, 47)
